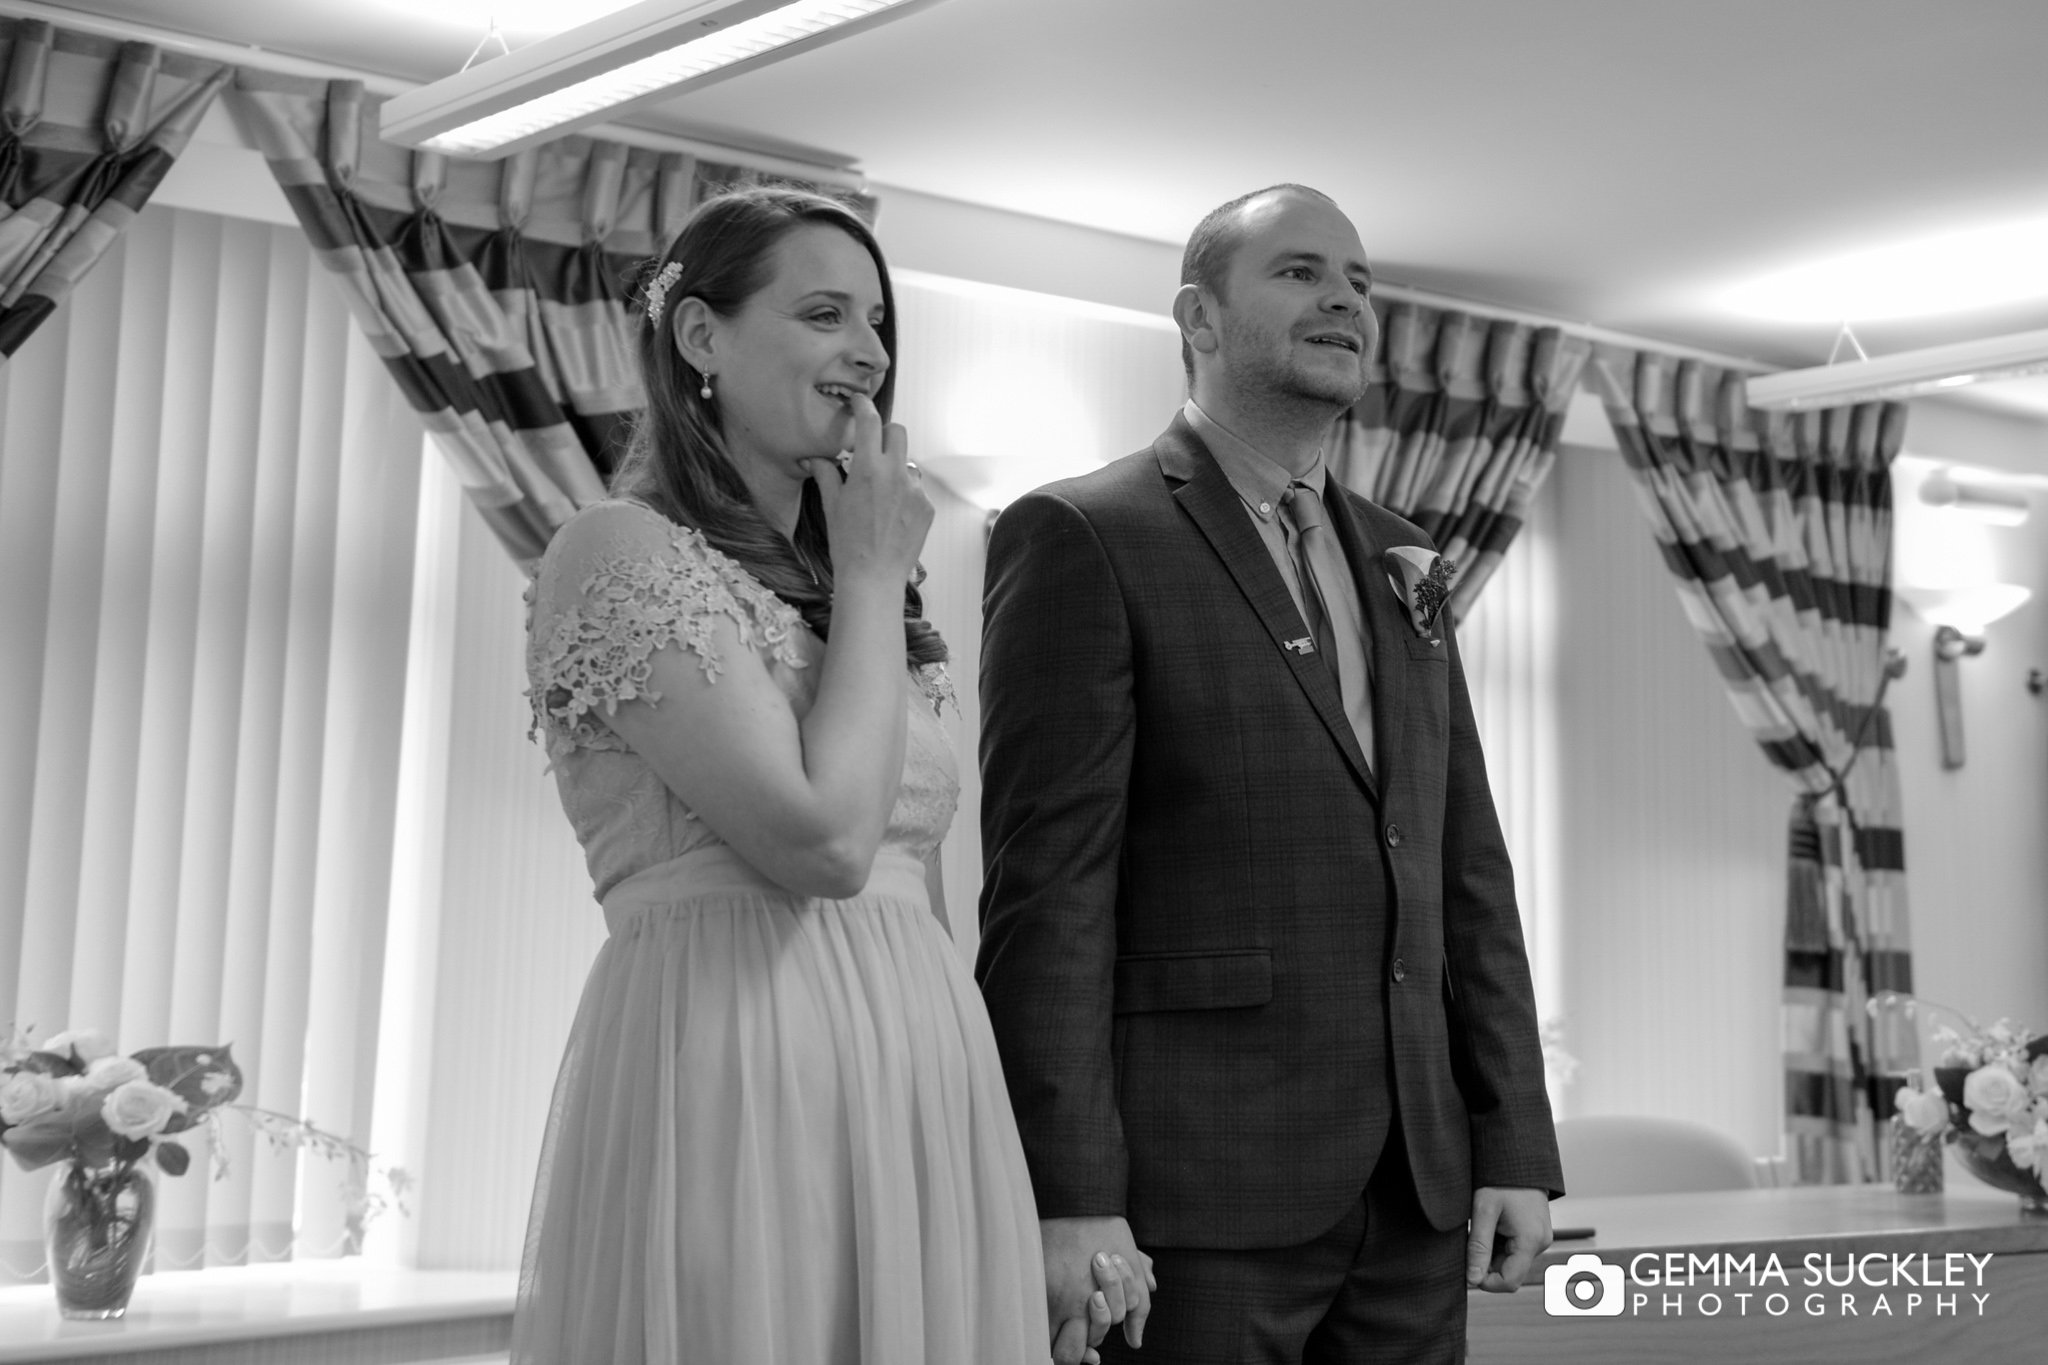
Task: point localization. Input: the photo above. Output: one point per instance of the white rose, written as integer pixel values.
(26, 1094)
(139, 1109)
(111, 1073)
(1924, 1111)
(1995, 1098)
(85, 1044)
(2029, 1150)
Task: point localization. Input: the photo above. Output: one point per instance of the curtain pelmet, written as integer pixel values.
(88, 129)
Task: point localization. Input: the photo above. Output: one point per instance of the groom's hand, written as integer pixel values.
(1073, 1274)
(1510, 1228)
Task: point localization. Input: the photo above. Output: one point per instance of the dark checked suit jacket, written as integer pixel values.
(1216, 951)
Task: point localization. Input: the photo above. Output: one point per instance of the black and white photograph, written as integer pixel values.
(1023, 682)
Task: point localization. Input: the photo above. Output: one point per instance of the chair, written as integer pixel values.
(1640, 1154)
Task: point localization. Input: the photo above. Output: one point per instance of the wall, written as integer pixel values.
(1977, 836)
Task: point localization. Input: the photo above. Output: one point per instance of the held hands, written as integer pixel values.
(878, 514)
(1077, 1338)
(1094, 1276)
(1510, 1229)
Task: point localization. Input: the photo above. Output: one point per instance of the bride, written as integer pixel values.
(780, 1132)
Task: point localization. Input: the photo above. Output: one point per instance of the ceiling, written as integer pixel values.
(1612, 162)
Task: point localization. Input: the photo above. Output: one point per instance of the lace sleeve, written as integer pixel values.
(936, 682)
(619, 583)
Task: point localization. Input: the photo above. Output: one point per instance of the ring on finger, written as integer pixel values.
(911, 465)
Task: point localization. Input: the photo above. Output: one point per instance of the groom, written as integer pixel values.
(1249, 937)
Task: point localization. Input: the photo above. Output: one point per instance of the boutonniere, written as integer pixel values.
(1422, 580)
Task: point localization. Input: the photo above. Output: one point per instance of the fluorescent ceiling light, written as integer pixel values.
(649, 52)
(1904, 375)
(1953, 273)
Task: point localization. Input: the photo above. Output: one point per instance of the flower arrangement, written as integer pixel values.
(1988, 1099)
(1559, 1065)
(113, 1119)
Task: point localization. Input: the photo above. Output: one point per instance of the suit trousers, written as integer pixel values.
(1381, 1286)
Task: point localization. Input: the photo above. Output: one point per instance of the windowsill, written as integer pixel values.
(238, 1303)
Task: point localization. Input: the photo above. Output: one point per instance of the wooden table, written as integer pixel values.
(1931, 1279)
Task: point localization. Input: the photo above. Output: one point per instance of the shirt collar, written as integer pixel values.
(1260, 481)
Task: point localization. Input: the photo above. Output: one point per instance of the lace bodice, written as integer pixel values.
(619, 583)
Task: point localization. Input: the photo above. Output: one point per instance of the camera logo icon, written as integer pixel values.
(1583, 1287)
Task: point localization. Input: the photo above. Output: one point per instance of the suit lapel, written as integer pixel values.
(1209, 500)
(1386, 618)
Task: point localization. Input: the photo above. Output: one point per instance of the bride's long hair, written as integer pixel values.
(677, 461)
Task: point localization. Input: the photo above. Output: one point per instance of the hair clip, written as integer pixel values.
(658, 287)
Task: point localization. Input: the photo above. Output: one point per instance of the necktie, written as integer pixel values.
(1316, 557)
(1326, 590)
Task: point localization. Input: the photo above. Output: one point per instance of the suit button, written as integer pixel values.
(1393, 836)
(1400, 970)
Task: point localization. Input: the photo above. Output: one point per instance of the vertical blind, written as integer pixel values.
(1509, 643)
(207, 485)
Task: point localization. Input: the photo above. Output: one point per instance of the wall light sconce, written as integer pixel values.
(1983, 502)
(1948, 569)
(1960, 616)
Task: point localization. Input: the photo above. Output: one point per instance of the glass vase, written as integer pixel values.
(1916, 1159)
(1987, 1159)
(97, 1222)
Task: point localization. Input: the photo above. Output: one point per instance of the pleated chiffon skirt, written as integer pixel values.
(780, 1135)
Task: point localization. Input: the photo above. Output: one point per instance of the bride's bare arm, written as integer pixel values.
(805, 799)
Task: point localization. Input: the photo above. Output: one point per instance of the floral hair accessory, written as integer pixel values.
(658, 287)
(1422, 579)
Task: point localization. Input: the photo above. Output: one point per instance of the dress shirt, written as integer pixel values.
(1261, 485)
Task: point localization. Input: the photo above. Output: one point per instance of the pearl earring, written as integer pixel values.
(705, 392)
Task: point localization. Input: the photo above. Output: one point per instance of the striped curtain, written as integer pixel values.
(1459, 429)
(1777, 529)
(88, 127)
(495, 291)
(207, 492)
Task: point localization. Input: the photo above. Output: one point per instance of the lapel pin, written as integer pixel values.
(1303, 646)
